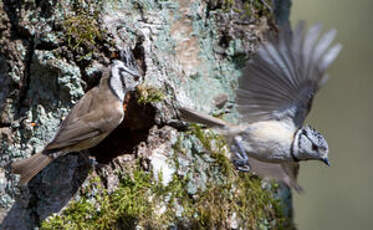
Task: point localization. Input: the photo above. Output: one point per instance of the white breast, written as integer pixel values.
(268, 140)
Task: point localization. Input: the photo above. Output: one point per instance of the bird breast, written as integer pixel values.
(268, 140)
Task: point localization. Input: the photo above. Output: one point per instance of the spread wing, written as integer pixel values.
(281, 80)
(286, 172)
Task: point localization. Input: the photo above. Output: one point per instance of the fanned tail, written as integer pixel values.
(190, 115)
(28, 168)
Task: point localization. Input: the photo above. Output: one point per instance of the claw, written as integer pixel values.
(242, 168)
(242, 161)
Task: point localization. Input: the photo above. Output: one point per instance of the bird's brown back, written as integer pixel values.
(96, 114)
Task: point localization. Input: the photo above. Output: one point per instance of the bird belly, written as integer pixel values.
(268, 141)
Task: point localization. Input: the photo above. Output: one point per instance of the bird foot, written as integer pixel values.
(242, 166)
(241, 161)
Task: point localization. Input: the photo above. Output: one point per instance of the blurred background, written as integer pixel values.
(341, 197)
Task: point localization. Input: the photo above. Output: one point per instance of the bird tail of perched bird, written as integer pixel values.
(28, 168)
(193, 116)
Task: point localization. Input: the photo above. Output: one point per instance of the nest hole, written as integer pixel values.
(131, 132)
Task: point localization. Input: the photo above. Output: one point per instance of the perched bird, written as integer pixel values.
(274, 96)
(94, 117)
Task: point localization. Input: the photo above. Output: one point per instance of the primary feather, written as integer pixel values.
(281, 80)
(285, 172)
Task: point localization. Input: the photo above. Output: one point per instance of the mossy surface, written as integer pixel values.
(147, 94)
(65, 50)
(82, 29)
(226, 200)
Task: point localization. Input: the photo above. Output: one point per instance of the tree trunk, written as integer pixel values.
(153, 171)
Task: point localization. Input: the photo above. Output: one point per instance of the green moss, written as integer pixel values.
(227, 4)
(258, 9)
(147, 94)
(126, 207)
(83, 29)
(239, 193)
(215, 145)
(140, 200)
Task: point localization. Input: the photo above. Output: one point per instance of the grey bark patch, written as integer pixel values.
(190, 52)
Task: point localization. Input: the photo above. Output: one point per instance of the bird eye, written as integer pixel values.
(315, 147)
(137, 78)
(322, 149)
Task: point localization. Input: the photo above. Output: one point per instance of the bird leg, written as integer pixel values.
(241, 161)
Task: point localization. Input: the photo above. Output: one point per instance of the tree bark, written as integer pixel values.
(190, 53)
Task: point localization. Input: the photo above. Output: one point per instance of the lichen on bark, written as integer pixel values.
(201, 191)
(152, 172)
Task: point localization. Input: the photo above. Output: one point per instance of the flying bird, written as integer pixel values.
(274, 96)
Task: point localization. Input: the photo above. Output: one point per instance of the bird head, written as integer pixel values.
(129, 75)
(123, 78)
(309, 144)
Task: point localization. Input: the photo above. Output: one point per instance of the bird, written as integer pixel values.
(90, 120)
(273, 97)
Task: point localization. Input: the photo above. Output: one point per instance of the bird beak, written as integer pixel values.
(326, 161)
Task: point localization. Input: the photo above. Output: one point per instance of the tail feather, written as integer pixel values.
(190, 115)
(28, 168)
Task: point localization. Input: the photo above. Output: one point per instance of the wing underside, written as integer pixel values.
(281, 80)
(286, 172)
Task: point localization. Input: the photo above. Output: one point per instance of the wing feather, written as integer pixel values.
(286, 173)
(281, 80)
(330, 56)
(89, 118)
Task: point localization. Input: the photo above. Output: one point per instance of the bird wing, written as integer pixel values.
(281, 80)
(75, 132)
(285, 172)
(87, 119)
(83, 106)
